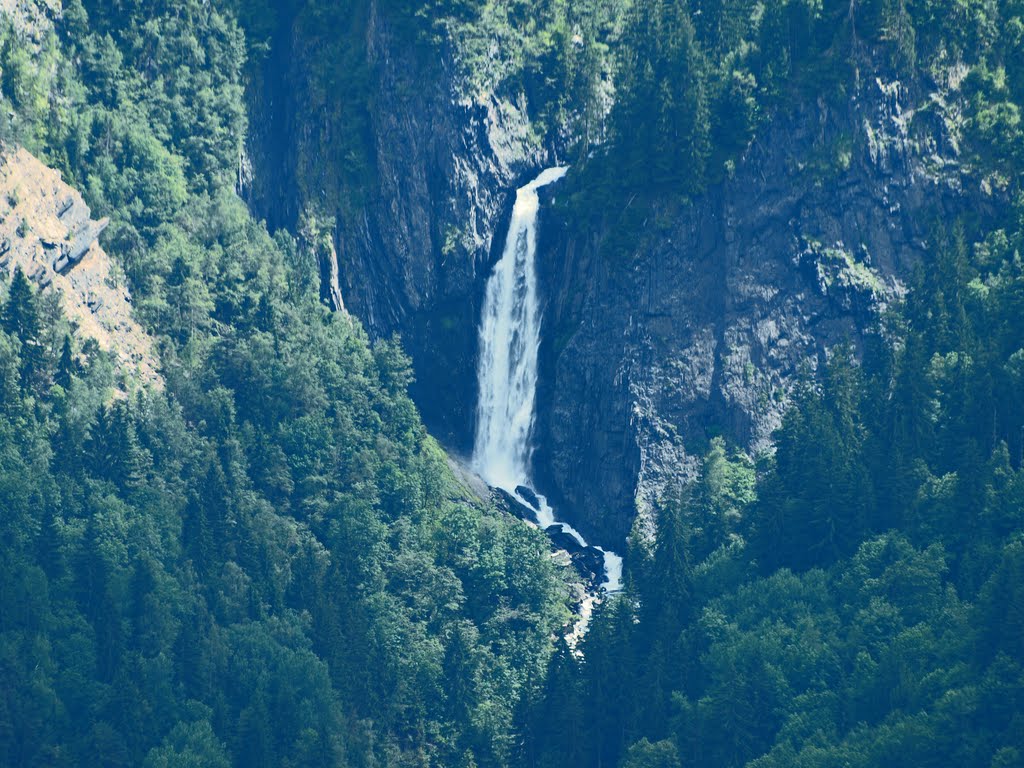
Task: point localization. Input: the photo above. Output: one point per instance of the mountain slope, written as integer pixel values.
(269, 562)
(48, 234)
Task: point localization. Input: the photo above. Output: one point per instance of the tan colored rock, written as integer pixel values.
(46, 228)
(32, 18)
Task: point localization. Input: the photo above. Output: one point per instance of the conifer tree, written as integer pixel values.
(67, 365)
(21, 319)
(21, 313)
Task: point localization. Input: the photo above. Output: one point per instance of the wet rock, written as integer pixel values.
(505, 500)
(588, 561)
(529, 496)
(563, 540)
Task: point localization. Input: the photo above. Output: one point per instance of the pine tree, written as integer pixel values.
(197, 535)
(136, 463)
(216, 501)
(115, 450)
(611, 679)
(67, 366)
(49, 553)
(256, 734)
(816, 504)
(667, 598)
(21, 314)
(898, 29)
(560, 724)
(662, 70)
(684, 121)
(98, 602)
(21, 319)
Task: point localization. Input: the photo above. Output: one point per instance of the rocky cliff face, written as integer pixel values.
(416, 201)
(702, 328)
(699, 330)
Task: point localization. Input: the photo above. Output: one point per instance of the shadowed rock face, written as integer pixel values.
(702, 328)
(416, 227)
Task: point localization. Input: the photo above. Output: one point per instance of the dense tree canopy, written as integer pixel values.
(269, 563)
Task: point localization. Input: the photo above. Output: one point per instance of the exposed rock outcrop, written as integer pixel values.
(33, 19)
(46, 229)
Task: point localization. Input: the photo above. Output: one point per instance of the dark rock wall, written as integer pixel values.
(416, 224)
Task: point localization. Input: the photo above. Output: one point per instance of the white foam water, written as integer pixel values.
(507, 372)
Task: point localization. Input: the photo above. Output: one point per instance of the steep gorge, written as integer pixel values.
(699, 329)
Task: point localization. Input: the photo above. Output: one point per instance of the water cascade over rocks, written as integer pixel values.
(507, 373)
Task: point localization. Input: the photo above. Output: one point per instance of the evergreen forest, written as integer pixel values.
(267, 561)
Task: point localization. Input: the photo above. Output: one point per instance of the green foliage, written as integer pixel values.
(861, 604)
(661, 114)
(643, 754)
(269, 562)
(817, 502)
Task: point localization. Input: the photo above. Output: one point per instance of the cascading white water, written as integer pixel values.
(507, 373)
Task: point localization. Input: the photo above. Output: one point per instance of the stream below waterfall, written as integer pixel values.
(507, 372)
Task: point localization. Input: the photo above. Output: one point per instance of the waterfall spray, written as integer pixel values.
(507, 372)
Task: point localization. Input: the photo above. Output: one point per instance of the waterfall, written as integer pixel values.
(507, 372)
